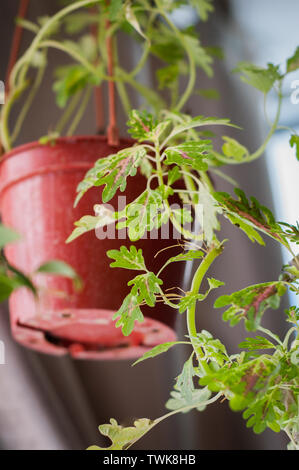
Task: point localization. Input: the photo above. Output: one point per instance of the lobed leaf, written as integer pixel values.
(251, 303)
(127, 258)
(293, 62)
(261, 78)
(145, 286)
(128, 313)
(156, 351)
(192, 154)
(249, 215)
(122, 437)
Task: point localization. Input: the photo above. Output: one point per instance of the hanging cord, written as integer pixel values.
(15, 48)
(98, 92)
(112, 130)
(16, 42)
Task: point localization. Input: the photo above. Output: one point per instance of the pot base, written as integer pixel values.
(89, 334)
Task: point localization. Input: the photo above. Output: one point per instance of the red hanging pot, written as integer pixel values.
(37, 190)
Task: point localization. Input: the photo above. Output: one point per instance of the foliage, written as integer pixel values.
(12, 278)
(250, 303)
(177, 154)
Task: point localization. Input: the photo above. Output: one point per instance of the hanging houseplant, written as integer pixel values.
(38, 183)
(171, 150)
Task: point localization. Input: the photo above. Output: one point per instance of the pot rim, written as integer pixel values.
(62, 140)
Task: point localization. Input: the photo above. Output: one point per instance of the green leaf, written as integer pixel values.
(214, 283)
(144, 214)
(182, 216)
(213, 349)
(199, 121)
(295, 357)
(166, 46)
(49, 139)
(197, 400)
(168, 76)
(122, 437)
(7, 235)
(294, 142)
(146, 168)
(145, 286)
(233, 149)
(209, 212)
(292, 314)
(251, 303)
(60, 268)
(293, 62)
(156, 351)
(77, 22)
(192, 154)
(128, 313)
(204, 8)
(15, 278)
(132, 19)
(26, 24)
(249, 215)
(115, 8)
(209, 93)
(70, 79)
(141, 125)
(90, 222)
(186, 256)
(291, 232)
(259, 342)
(199, 54)
(52, 29)
(116, 170)
(184, 393)
(91, 177)
(189, 300)
(174, 175)
(38, 60)
(7, 286)
(261, 78)
(127, 259)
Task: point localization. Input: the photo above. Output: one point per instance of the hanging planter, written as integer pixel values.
(37, 191)
(38, 185)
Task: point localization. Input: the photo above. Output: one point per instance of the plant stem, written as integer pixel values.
(269, 333)
(73, 53)
(120, 86)
(26, 106)
(192, 67)
(68, 112)
(180, 410)
(80, 112)
(262, 148)
(196, 283)
(5, 135)
(26, 59)
(18, 81)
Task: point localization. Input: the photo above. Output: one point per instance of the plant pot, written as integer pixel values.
(37, 191)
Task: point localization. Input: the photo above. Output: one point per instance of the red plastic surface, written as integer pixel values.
(37, 190)
(89, 334)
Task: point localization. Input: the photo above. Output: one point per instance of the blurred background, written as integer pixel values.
(57, 403)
